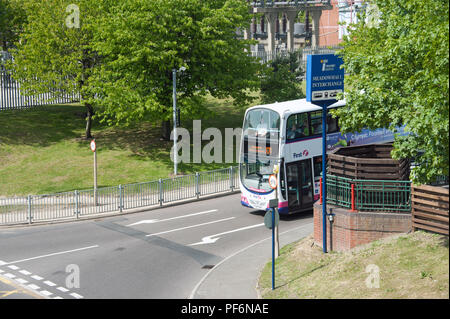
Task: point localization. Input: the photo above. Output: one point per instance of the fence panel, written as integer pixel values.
(104, 200)
(215, 181)
(339, 191)
(13, 210)
(12, 96)
(53, 206)
(140, 195)
(430, 208)
(386, 196)
(179, 188)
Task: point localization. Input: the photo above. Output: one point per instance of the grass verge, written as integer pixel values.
(410, 266)
(42, 150)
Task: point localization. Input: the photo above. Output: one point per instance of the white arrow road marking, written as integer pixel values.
(152, 221)
(210, 239)
(187, 227)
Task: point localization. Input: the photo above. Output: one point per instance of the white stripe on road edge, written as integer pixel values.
(191, 296)
(1, 271)
(75, 295)
(62, 289)
(152, 221)
(49, 255)
(2, 263)
(177, 229)
(13, 267)
(11, 276)
(210, 240)
(36, 277)
(57, 297)
(24, 272)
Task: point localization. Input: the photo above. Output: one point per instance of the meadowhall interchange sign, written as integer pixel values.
(324, 77)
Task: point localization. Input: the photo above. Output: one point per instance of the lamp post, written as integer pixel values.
(175, 136)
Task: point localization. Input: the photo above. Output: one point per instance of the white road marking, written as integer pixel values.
(22, 281)
(36, 277)
(33, 286)
(1, 271)
(54, 254)
(194, 291)
(57, 297)
(187, 227)
(2, 263)
(9, 275)
(62, 289)
(46, 293)
(49, 283)
(209, 239)
(13, 267)
(24, 272)
(73, 294)
(152, 221)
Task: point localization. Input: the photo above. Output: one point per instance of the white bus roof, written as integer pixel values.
(294, 106)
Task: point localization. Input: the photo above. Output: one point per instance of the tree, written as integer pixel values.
(398, 74)
(54, 52)
(141, 42)
(12, 17)
(280, 81)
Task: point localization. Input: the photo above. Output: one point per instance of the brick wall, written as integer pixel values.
(353, 229)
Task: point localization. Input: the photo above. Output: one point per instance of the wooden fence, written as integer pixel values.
(368, 162)
(430, 206)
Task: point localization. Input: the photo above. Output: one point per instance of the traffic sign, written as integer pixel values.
(324, 77)
(268, 218)
(93, 146)
(273, 181)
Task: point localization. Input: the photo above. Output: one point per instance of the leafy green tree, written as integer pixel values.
(281, 80)
(141, 42)
(12, 17)
(398, 74)
(54, 52)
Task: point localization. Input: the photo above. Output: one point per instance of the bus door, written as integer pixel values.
(300, 186)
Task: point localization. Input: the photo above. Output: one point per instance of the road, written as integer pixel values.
(163, 253)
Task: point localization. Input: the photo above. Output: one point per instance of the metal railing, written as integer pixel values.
(76, 204)
(369, 195)
(12, 96)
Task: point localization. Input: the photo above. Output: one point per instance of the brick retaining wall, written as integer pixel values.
(354, 229)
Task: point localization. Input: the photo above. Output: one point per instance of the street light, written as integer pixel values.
(175, 136)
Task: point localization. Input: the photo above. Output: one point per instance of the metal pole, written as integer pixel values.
(95, 178)
(175, 136)
(273, 248)
(324, 176)
(277, 242)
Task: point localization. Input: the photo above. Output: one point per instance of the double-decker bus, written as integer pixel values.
(290, 134)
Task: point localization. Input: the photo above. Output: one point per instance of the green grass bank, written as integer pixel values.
(410, 266)
(42, 150)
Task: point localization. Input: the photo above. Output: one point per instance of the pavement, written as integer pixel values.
(212, 248)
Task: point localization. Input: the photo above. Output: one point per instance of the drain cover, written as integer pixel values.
(208, 266)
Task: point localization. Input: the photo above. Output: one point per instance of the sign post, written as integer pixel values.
(93, 146)
(324, 80)
(272, 223)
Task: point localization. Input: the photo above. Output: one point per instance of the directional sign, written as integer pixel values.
(93, 146)
(324, 77)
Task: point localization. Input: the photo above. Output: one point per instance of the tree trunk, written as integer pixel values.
(165, 130)
(90, 112)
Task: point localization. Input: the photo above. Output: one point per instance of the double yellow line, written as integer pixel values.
(17, 290)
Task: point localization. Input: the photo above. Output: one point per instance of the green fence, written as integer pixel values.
(369, 195)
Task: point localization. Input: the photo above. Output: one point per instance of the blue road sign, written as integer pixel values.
(324, 77)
